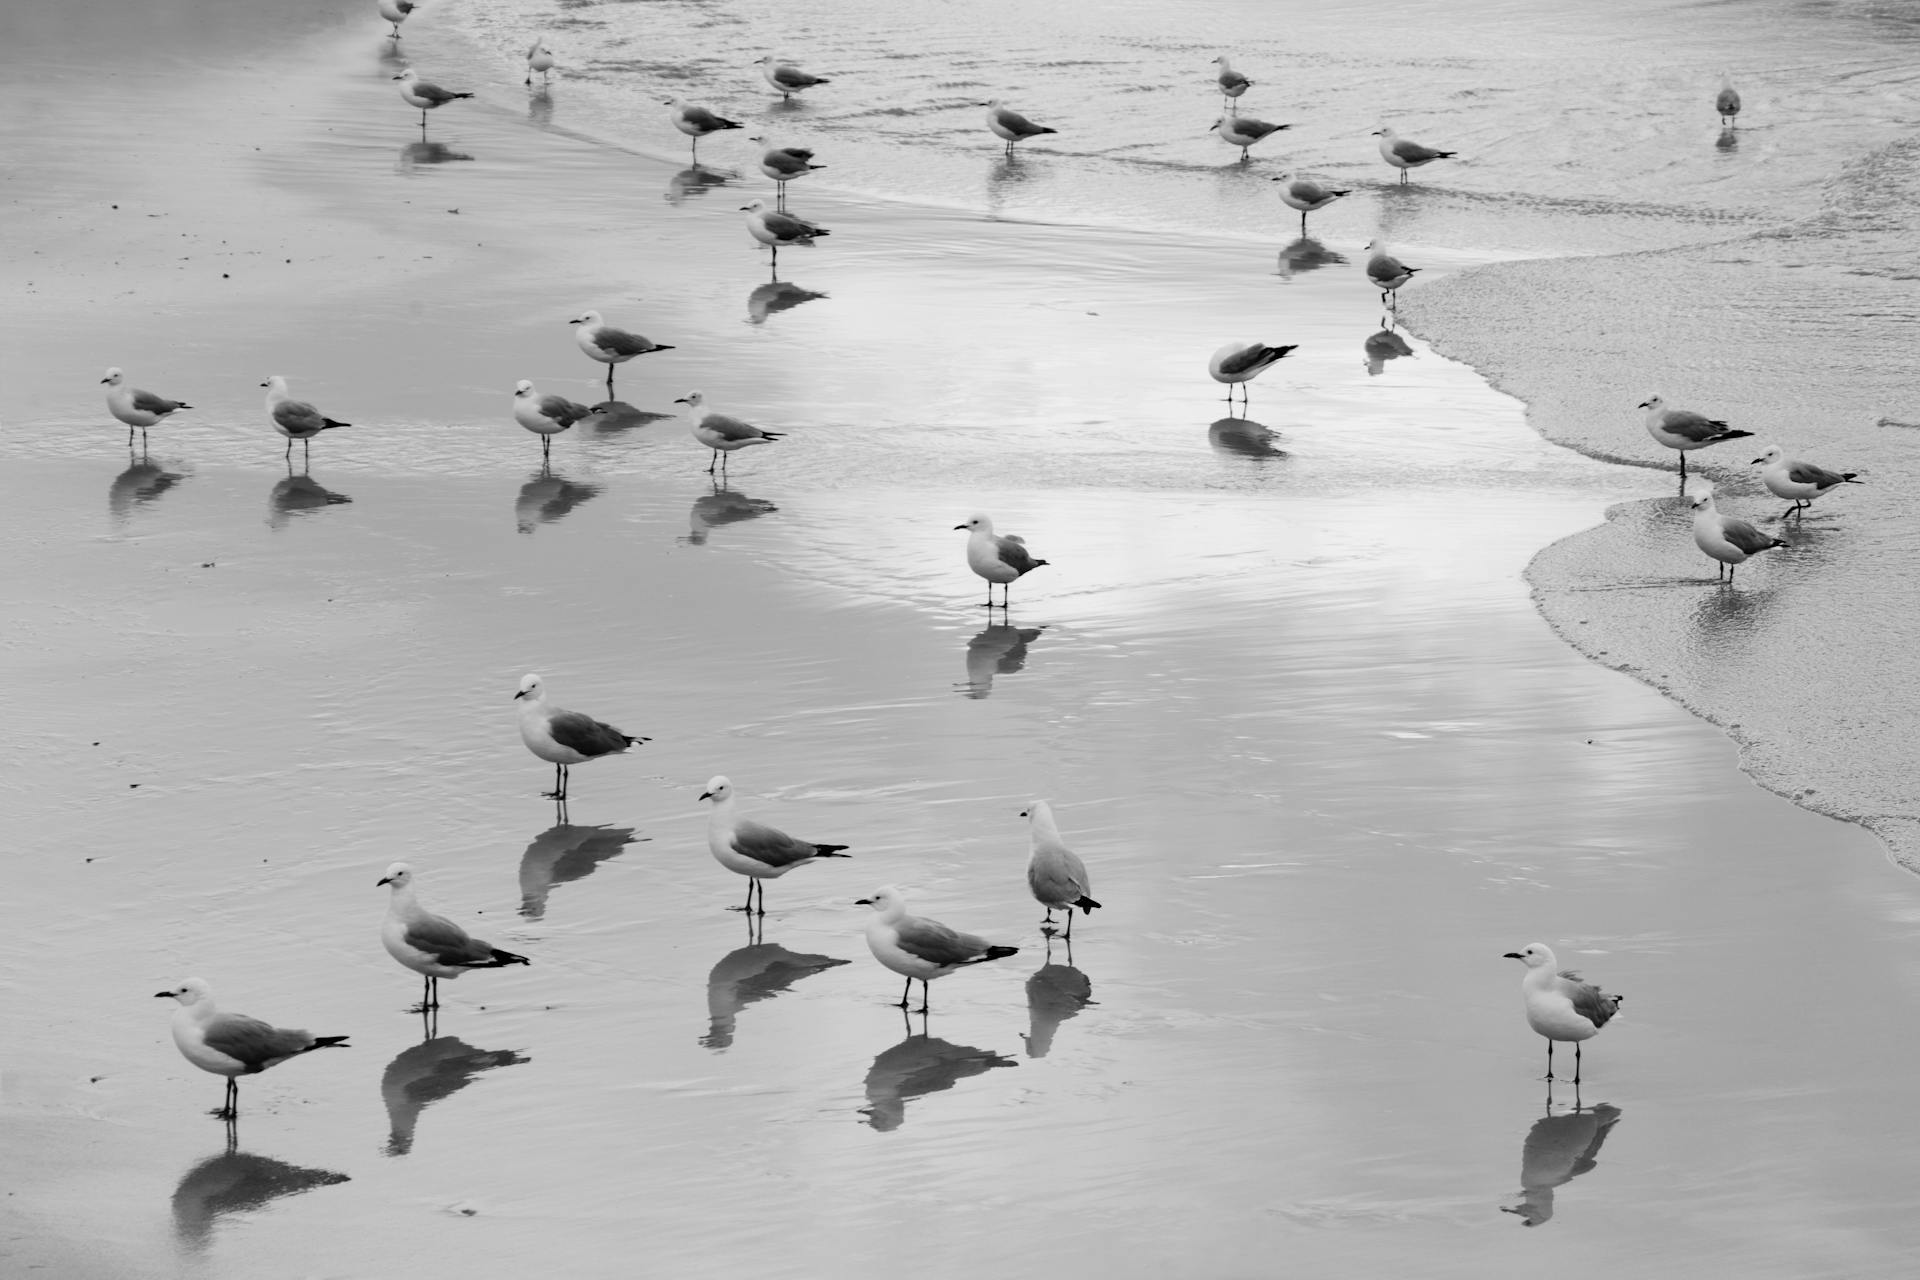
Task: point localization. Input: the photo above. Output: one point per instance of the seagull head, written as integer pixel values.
(529, 688)
(587, 318)
(718, 789)
(1037, 810)
(1221, 59)
(276, 384)
(1769, 454)
(113, 376)
(1533, 955)
(399, 875)
(977, 522)
(693, 400)
(1652, 402)
(755, 207)
(990, 103)
(522, 388)
(1216, 124)
(886, 900)
(407, 73)
(190, 992)
(1700, 499)
(1386, 133)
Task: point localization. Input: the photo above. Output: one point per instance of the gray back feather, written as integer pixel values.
(257, 1044)
(1744, 535)
(445, 941)
(935, 943)
(1589, 1001)
(585, 734)
(770, 845)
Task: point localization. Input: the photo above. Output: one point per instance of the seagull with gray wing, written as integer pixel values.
(545, 416)
(1801, 481)
(425, 94)
(916, 947)
(135, 407)
(232, 1044)
(1685, 430)
(1404, 153)
(697, 122)
(721, 432)
(564, 738)
(430, 945)
(1055, 873)
(295, 419)
(1387, 272)
(786, 77)
(783, 165)
(1560, 1005)
(1011, 125)
(1728, 539)
(1306, 195)
(773, 228)
(753, 849)
(1244, 131)
(996, 558)
(1232, 83)
(610, 346)
(1238, 363)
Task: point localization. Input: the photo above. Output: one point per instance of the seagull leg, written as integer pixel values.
(1683, 470)
(906, 993)
(716, 462)
(925, 996)
(1576, 1064)
(609, 381)
(426, 994)
(762, 885)
(1549, 1059)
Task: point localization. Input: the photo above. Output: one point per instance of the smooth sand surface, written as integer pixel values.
(1286, 691)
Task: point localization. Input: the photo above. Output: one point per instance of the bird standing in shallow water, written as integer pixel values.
(540, 58)
(295, 419)
(610, 346)
(786, 77)
(395, 11)
(774, 228)
(430, 945)
(1727, 102)
(753, 849)
(1232, 83)
(232, 1044)
(1387, 272)
(545, 416)
(1801, 481)
(564, 738)
(1055, 873)
(697, 122)
(1239, 363)
(1559, 1005)
(721, 433)
(1244, 131)
(1011, 125)
(1728, 539)
(425, 95)
(1404, 153)
(1685, 430)
(1306, 196)
(995, 558)
(138, 408)
(921, 948)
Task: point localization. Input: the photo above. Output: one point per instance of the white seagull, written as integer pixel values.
(1728, 539)
(919, 948)
(1387, 272)
(295, 419)
(1685, 430)
(721, 433)
(784, 164)
(1559, 1005)
(232, 1044)
(997, 559)
(1232, 83)
(1244, 131)
(697, 122)
(1241, 362)
(610, 346)
(395, 11)
(1727, 102)
(424, 94)
(564, 738)
(1404, 153)
(545, 416)
(1011, 125)
(430, 945)
(786, 77)
(135, 407)
(774, 228)
(1307, 195)
(753, 849)
(1801, 481)
(1054, 872)
(539, 58)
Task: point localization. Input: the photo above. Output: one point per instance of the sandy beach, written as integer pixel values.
(1283, 680)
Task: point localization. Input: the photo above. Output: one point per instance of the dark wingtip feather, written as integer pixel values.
(503, 958)
(330, 1042)
(331, 423)
(774, 435)
(1085, 904)
(830, 851)
(633, 741)
(1000, 953)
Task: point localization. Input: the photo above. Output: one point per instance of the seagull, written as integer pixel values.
(759, 852)
(1054, 872)
(1244, 131)
(425, 94)
(395, 11)
(1727, 102)
(545, 416)
(1232, 83)
(565, 738)
(539, 58)
(721, 433)
(1728, 539)
(295, 419)
(1683, 429)
(1801, 481)
(135, 407)
(232, 1044)
(784, 164)
(1306, 196)
(920, 948)
(774, 228)
(997, 559)
(697, 122)
(611, 346)
(1241, 362)
(1011, 125)
(786, 77)
(1559, 1005)
(1387, 272)
(1404, 154)
(432, 945)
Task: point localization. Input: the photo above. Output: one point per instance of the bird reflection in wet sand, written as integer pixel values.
(1558, 1149)
(141, 483)
(776, 296)
(298, 494)
(749, 974)
(696, 181)
(722, 506)
(429, 1072)
(1055, 993)
(611, 417)
(919, 1065)
(1000, 650)
(562, 854)
(1307, 254)
(540, 106)
(1244, 436)
(424, 152)
(1727, 141)
(1384, 346)
(235, 1182)
(547, 497)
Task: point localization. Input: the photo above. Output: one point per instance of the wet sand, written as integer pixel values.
(1287, 692)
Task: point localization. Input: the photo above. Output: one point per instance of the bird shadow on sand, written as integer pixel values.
(1055, 993)
(695, 181)
(1383, 346)
(721, 506)
(747, 975)
(547, 497)
(1000, 650)
(1559, 1148)
(299, 495)
(1306, 254)
(613, 417)
(919, 1065)
(429, 1072)
(776, 296)
(1245, 437)
(144, 481)
(562, 854)
(234, 1183)
(422, 152)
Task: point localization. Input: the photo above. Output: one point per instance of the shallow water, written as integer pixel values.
(1281, 681)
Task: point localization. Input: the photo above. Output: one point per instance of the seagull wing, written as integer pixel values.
(257, 1044)
(586, 735)
(445, 941)
(770, 845)
(935, 943)
(151, 403)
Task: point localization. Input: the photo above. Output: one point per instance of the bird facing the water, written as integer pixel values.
(395, 11)
(430, 945)
(754, 849)
(1241, 362)
(1685, 430)
(1055, 873)
(1559, 1004)
(995, 558)
(539, 58)
(1728, 539)
(1727, 102)
(232, 1044)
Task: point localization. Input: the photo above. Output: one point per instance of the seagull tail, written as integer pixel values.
(1445, 155)
(327, 1042)
(1732, 435)
(730, 124)
(1045, 129)
(994, 953)
(661, 346)
(1845, 478)
(1085, 904)
(633, 741)
(830, 851)
(501, 959)
(452, 96)
(331, 423)
(774, 435)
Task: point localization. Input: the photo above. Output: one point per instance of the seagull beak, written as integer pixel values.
(104, 381)
(384, 880)
(1756, 462)
(1513, 955)
(519, 695)
(858, 902)
(263, 384)
(1026, 813)
(162, 995)
(573, 322)
(706, 795)
(682, 400)
(959, 526)
(1646, 404)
